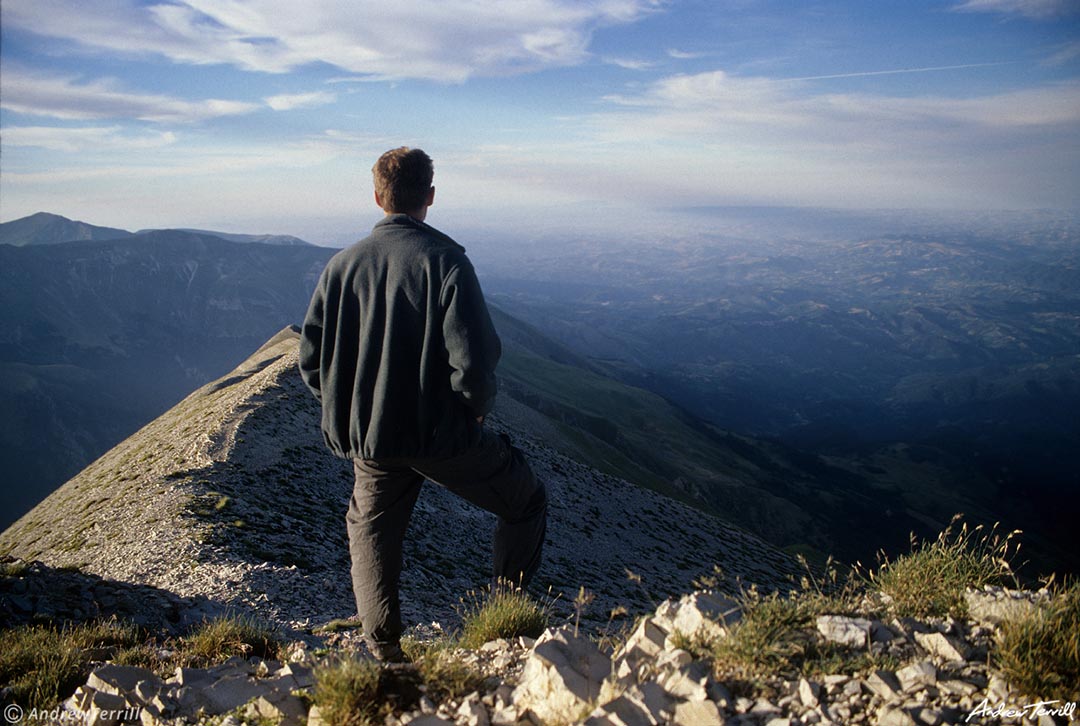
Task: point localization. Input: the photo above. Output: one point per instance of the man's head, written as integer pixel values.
(403, 181)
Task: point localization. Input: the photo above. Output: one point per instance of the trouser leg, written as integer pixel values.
(379, 512)
(495, 476)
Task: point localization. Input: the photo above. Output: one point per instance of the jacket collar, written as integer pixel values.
(404, 220)
(400, 218)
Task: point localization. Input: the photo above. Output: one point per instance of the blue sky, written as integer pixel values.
(266, 115)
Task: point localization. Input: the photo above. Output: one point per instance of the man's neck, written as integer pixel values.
(419, 215)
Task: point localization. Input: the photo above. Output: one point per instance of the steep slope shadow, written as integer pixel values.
(33, 592)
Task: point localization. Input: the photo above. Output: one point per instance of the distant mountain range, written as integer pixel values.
(99, 337)
(50, 229)
(941, 364)
(103, 336)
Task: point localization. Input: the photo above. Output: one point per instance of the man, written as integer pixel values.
(399, 347)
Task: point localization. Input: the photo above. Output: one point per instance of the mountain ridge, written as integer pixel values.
(46, 228)
(100, 336)
(231, 495)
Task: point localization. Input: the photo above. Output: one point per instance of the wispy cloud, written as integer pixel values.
(192, 161)
(1040, 9)
(762, 138)
(630, 64)
(721, 100)
(66, 98)
(447, 41)
(290, 101)
(683, 54)
(94, 138)
(1064, 54)
(898, 71)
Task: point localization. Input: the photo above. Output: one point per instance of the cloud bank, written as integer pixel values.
(447, 41)
(66, 98)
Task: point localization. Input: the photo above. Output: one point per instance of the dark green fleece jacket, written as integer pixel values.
(399, 347)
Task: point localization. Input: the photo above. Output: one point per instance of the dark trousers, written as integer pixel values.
(492, 475)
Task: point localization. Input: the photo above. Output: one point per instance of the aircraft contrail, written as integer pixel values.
(896, 71)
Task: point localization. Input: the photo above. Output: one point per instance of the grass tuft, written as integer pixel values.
(777, 635)
(1039, 653)
(446, 676)
(931, 579)
(218, 640)
(500, 612)
(348, 693)
(43, 664)
(771, 634)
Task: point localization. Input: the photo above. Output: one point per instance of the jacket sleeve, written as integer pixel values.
(472, 345)
(311, 340)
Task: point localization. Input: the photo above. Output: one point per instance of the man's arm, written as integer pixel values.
(472, 345)
(311, 340)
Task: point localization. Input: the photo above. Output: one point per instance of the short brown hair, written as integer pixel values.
(403, 179)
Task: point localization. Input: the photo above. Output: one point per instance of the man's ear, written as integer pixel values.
(431, 196)
(378, 200)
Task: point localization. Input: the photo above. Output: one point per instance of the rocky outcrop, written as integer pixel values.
(564, 677)
(252, 688)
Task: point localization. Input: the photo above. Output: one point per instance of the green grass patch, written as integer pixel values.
(218, 640)
(44, 664)
(351, 692)
(776, 634)
(931, 579)
(446, 675)
(772, 634)
(500, 612)
(348, 693)
(339, 625)
(1039, 653)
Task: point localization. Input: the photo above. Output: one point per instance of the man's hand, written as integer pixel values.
(480, 420)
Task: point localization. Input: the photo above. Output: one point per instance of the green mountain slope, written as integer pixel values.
(793, 499)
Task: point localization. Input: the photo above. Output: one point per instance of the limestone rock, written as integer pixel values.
(697, 713)
(563, 674)
(472, 712)
(647, 705)
(809, 693)
(943, 647)
(690, 682)
(704, 615)
(894, 716)
(885, 684)
(995, 604)
(281, 708)
(917, 676)
(852, 632)
(118, 680)
(646, 643)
